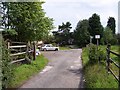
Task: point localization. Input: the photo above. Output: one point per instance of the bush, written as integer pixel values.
(102, 41)
(101, 54)
(6, 67)
(95, 54)
(114, 40)
(96, 75)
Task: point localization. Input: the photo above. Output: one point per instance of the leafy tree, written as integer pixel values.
(81, 33)
(107, 35)
(111, 24)
(63, 33)
(49, 39)
(65, 28)
(95, 27)
(28, 20)
(118, 38)
(58, 36)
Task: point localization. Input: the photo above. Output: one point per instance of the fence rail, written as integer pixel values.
(19, 42)
(20, 46)
(16, 54)
(109, 60)
(17, 61)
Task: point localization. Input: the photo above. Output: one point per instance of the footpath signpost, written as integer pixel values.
(97, 37)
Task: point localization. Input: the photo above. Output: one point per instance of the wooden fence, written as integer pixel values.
(109, 61)
(20, 51)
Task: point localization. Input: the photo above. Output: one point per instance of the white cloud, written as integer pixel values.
(85, 1)
(75, 10)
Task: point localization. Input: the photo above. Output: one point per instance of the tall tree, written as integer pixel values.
(81, 33)
(95, 27)
(111, 24)
(65, 27)
(107, 35)
(28, 20)
(64, 32)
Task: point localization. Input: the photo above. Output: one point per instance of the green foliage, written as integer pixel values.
(9, 33)
(111, 24)
(109, 37)
(63, 35)
(96, 75)
(84, 56)
(49, 39)
(7, 68)
(101, 54)
(102, 42)
(28, 20)
(64, 48)
(25, 71)
(65, 27)
(81, 33)
(95, 27)
(118, 38)
(96, 54)
(93, 53)
(114, 41)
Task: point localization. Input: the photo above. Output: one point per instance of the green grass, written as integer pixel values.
(64, 48)
(25, 71)
(96, 75)
(85, 58)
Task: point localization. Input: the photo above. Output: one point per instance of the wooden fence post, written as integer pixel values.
(8, 45)
(34, 51)
(108, 57)
(27, 49)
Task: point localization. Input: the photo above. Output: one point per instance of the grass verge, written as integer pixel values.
(25, 71)
(96, 75)
(64, 48)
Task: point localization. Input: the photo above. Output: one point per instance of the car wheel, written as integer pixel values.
(44, 50)
(56, 49)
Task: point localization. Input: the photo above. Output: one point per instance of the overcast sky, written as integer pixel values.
(75, 10)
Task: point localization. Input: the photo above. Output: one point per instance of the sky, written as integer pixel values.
(76, 10)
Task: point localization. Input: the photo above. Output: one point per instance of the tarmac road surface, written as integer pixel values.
(64, 70)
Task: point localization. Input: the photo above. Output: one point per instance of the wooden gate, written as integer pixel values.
(20, 51)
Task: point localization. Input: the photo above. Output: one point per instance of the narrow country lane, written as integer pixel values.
(64, 70)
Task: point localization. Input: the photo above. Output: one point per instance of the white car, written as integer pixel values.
(47, 47)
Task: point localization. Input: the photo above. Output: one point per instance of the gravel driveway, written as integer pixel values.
(64, 70)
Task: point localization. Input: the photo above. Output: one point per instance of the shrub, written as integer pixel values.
(101, 54)
(95, 54)
(102, 41)
(114, 40)
(6, 66)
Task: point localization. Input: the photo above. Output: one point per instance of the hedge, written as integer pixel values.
(6, 66)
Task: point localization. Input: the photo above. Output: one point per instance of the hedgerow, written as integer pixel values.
(6, 66)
